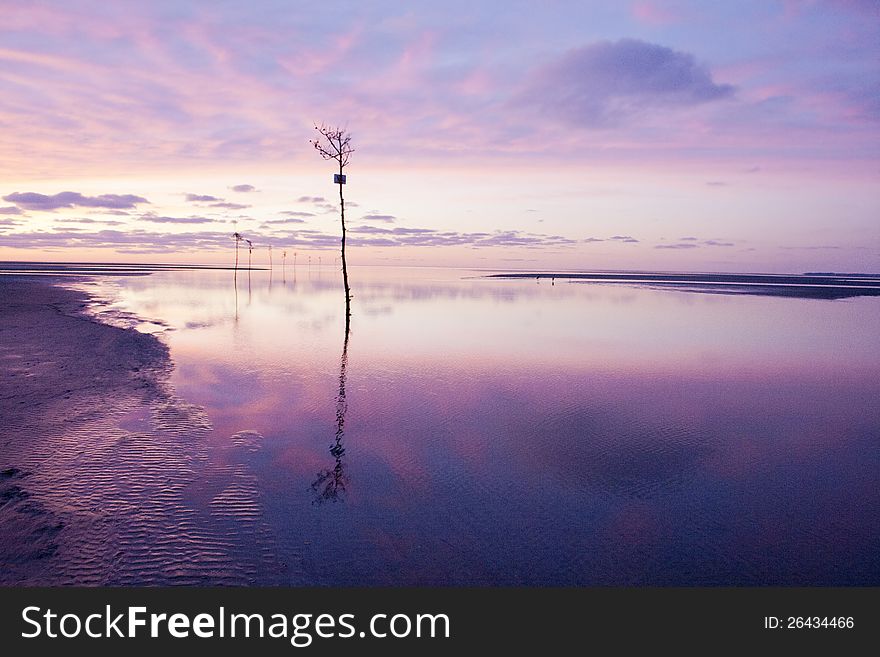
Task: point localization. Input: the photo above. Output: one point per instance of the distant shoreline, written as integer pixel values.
(805, 286)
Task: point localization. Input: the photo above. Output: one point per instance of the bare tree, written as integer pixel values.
(335, 144)
(250, 251)
(238, 237)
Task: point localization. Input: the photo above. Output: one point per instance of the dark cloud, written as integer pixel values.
(203, 198)
(229, 206)
(311, 199)
(243, 188)
(34, 201)
(387, 218)
(602, 83)
(624, 238)
(684, 245)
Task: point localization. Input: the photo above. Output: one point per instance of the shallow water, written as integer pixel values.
(478, 431)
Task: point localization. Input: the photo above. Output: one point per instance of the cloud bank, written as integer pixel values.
(34, 201)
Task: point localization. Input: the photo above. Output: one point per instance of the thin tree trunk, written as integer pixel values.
(344, 268)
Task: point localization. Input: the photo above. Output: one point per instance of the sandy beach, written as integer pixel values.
(96, 451)
(60, 363)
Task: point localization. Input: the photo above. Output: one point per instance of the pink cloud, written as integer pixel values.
(654, 13)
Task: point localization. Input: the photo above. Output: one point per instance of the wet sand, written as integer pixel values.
(98, 457)
(59, 365)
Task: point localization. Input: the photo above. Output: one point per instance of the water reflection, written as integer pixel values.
(235, 288)
(686, 439)
(330, 484)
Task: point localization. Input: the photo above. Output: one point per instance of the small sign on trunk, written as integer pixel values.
(338, 178)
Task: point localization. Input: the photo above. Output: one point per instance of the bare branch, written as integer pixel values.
(333, 144)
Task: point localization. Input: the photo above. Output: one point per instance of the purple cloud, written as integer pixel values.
(10, 209)
(290, 220)
(295, 213)
(88, 220)
(684, 245)
(829, 247)
(176, 220)
(311, 199)
(401, 236)
(205, 198)
(142, 241)
(387, 218)
(624, 238)
(717, 243)
(34, 201)
(603, 82)
(399, 230)
(593, 239)
(243, 188)
(229, 206)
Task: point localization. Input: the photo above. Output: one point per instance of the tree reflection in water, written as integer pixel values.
(330, 484)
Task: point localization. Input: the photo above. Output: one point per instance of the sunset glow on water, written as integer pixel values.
(514, 431)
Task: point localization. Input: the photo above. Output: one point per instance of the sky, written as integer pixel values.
(679, 135)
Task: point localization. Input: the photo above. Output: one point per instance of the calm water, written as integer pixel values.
(477, 431)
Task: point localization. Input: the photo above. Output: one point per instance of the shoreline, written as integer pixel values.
(99, 457)
(65, 377)
(51, 344)
(804, 286)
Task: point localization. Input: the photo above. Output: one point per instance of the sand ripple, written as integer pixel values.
(103, 465)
